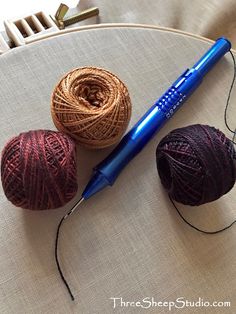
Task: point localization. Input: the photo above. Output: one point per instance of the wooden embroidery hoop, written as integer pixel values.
(128, 241)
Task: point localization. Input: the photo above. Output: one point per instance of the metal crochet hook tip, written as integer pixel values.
(56, 246)
(70, 212)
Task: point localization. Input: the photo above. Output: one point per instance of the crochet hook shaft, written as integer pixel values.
(134, 141)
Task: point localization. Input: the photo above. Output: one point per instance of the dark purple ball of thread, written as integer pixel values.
(196, 164)
(38, 170)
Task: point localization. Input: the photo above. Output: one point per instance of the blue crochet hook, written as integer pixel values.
(134, 141)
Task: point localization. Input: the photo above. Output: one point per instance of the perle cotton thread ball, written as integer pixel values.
(196, 164)
(92, 105)
(38, 170)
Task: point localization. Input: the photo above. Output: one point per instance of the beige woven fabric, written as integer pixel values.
(209, 18)
(126, 241)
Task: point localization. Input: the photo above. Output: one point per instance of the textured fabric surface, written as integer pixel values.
(211, 18)
(126, 241)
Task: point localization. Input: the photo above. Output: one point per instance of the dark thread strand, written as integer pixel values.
(228, 98)
(70, 212)
(196, 228)
(57, 260)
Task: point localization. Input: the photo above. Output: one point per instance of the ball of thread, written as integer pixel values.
(92, 105)
(196, 164)
(38, 170)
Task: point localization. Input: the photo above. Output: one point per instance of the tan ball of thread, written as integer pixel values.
(92, 105)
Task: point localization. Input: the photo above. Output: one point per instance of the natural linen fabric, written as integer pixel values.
(127, 241)
(208, 18)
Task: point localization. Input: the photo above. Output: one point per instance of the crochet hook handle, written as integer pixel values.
(133, 142)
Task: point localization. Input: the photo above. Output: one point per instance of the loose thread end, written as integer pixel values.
(56, 248)
(196, 228)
